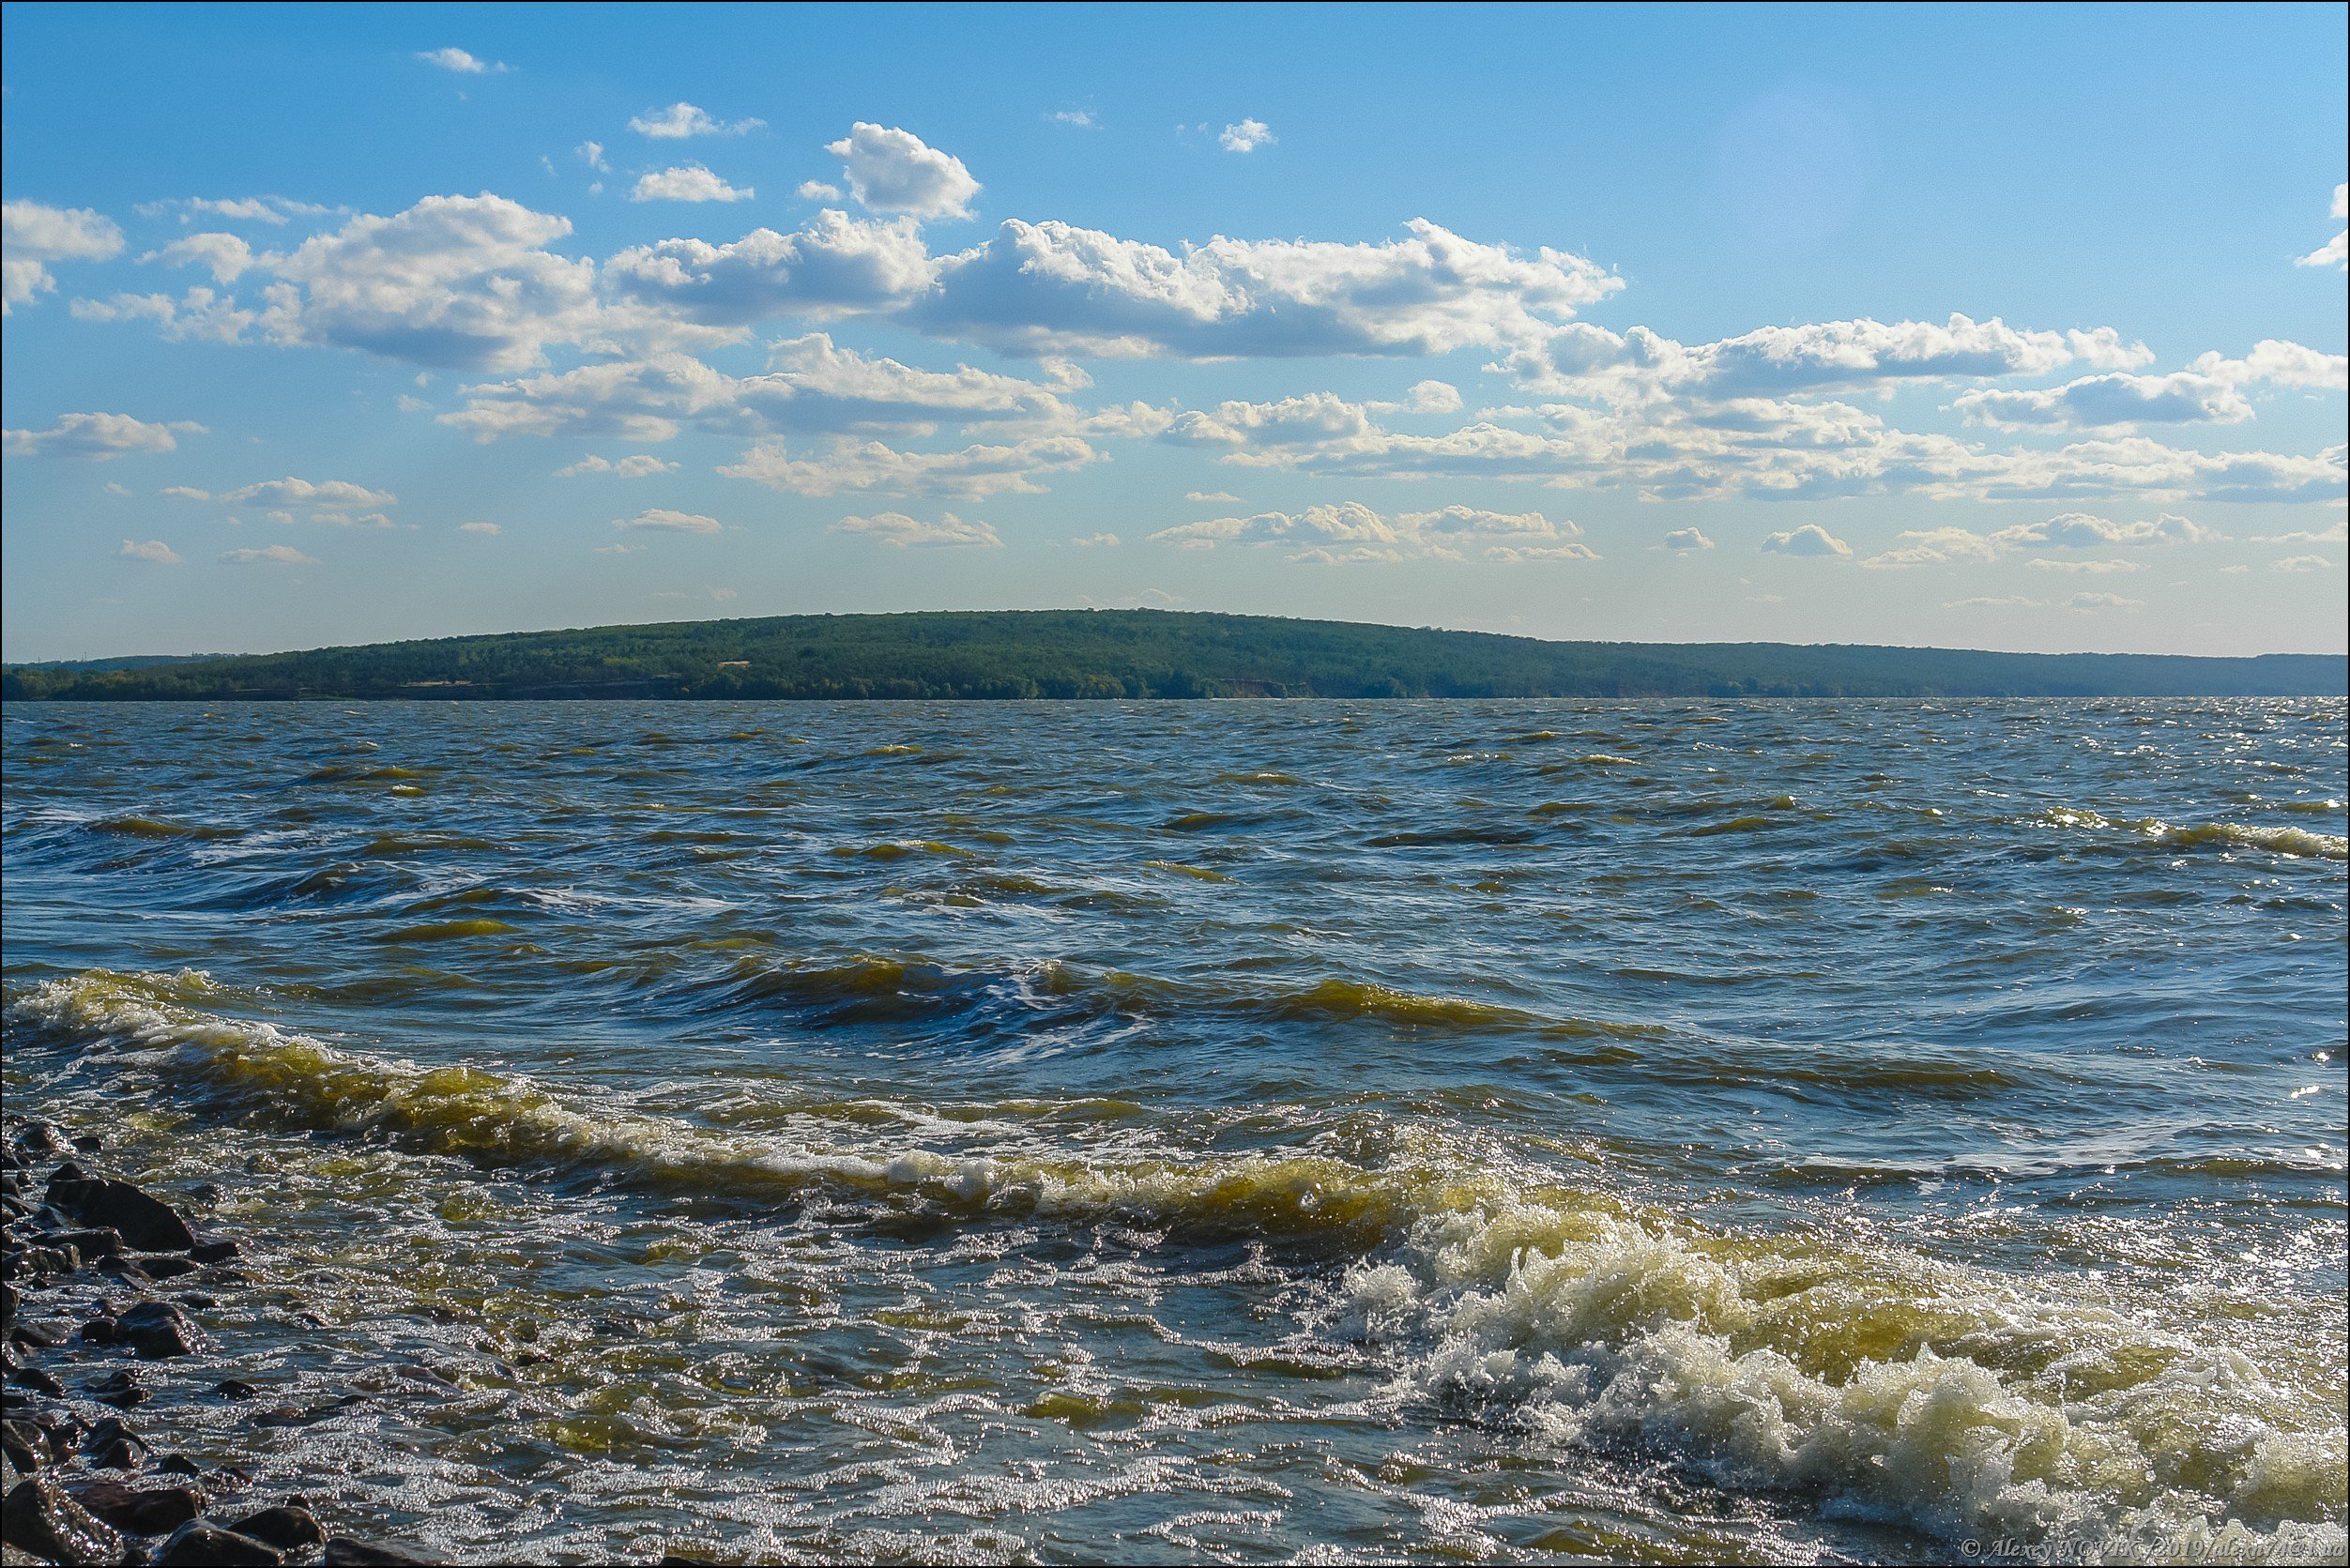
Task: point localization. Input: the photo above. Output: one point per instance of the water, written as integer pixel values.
(1512, 1131)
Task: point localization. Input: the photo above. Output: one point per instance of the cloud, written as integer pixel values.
(275, 210)
(1353, 532)
(817, 191)
(2072, 530)
(2042, 563)
(1081, 119)
(1245, 136)
(835, 265)
(2080, 531)
(662, 520)
(269, 555)
(1686, 539)
(896, 528)
(99, 437)
(1053, 289)
(687, 182)
(2335, 253)
(810, 386)
(453, 281)
(681, 120)
(973, 473)
(32, 235)
(1810, 540)
(2113, 401)
(201, 314)
(2000, 602)
(153, 550)
(461, 62)
(1088, 541)
(1212, 497)
(1577, 360)
(636, 466)
(2102, 602)
(332, 498)
(2301, 563)
(2335, 533)
(891, 170)
(591, 154)
(479, 528)
(226, 255)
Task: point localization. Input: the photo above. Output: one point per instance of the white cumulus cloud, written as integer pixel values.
(32, 235)
(462, 62)
(269, 555)
(1810, 540)
(896, 528)
(663, 520)
(151, 550)
(687, 182)
(2335, 253)
(99, 437)
(681, 120)
(890, 170)
(1245, 136)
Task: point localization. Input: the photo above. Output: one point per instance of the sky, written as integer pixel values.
(1998, 327)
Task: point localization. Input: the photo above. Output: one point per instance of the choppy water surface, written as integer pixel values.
(1234, 1131)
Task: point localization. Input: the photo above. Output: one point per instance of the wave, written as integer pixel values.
(1861, 1375)
(2225, 835)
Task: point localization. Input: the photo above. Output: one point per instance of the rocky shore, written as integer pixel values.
(107, 1289)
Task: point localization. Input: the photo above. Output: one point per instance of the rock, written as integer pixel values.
(121, 1389)
(91, 1242)
(343, 1552)
(41, 1519)
(34, 1378)
(288, 1528)
(21, 1441)
(38, 1336)
(197, 1545)
(164, 1266)
(159, 1328)
(123, 1271)
(141, 1510)
(144, 1221)
(102, 1329)
(112, 1446)
(217, 1250)
(234, 1387)
(43, 1140)
(179, 1463)
(8, 1300)
(89, 1143)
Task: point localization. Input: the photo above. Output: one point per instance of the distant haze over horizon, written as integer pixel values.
(332, 327)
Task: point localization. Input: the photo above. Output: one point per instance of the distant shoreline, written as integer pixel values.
(1062, 655)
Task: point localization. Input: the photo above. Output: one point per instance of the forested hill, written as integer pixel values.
(1140, 653)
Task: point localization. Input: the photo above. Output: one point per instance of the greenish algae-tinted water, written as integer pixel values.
(1337, 1132)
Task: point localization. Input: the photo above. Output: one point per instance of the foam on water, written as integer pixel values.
(1872, 1379)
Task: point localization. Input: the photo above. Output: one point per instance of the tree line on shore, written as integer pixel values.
(1061, 654)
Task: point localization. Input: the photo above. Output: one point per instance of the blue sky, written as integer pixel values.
(1995, 328)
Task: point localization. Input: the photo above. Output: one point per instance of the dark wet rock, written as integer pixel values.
(43, 1140)
(213, 1249)
(121, 1389)
(34, 1378)
(195, 1298)
(157, 1330)
(91, 1242)
(89, 1143)
(124, 1272)
(39, 1337)
(289, 1527)
(343, 1552)
(24, 1445)
(164, 1266)
(144, 1221)
(42, 1519)
(234, 1387)
(112, 1446)
(141, 1510)
(201, 1545)
(179, 1463)
(102, 1329)
(9, 1302)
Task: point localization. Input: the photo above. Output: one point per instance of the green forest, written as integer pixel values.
(1019, 654)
